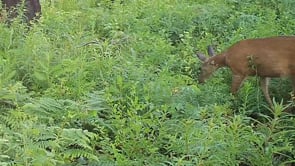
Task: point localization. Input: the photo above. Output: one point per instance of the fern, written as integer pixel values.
(50, 145)
(13, 95)
(76, 138)
(14, 119)
(95, 101)
(36, 137)
(79, 153)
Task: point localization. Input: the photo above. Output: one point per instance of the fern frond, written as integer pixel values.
(95, 101)
(49, 110)
(14, 119)
(77, 137)
(77, 153)
(13, 95)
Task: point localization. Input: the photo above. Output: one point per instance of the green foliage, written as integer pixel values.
(111, 82)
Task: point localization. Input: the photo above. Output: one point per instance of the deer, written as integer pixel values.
(265, 58)
(31, 9)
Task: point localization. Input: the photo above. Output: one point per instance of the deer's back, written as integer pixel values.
(269, 57)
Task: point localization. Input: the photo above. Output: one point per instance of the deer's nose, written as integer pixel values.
(201, 81)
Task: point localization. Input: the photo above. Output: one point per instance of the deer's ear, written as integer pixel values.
(202, 57)
(210, 50)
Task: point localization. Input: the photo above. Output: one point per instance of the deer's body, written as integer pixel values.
(265, 57)
(32, 8)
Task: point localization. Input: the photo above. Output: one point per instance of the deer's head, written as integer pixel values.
(209, 64)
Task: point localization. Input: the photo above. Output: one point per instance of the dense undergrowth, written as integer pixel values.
(101, 82)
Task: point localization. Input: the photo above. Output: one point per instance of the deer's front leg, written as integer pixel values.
(237, 80)
(293, 86)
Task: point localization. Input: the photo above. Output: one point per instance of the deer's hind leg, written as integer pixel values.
(293, 86)
(264, 83)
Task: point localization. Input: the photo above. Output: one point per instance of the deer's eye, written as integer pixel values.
(212, 63)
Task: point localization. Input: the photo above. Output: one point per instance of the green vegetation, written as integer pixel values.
(102, 82)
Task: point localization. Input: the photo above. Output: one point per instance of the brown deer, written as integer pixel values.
(262, 57)
(31, 9)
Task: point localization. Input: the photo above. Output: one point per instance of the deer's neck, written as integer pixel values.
(219, 60)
